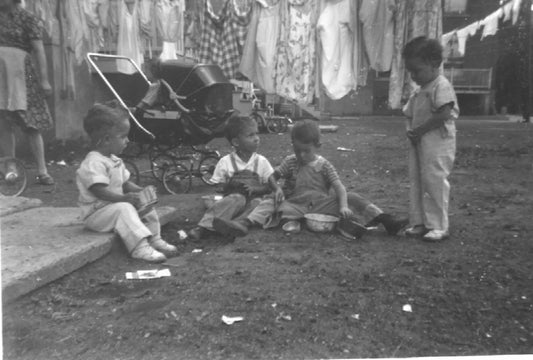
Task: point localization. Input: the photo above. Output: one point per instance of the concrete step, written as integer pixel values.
(40, 245)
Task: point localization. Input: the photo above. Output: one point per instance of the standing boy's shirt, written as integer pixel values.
(427, 100)
(99, 169)
(290, 168)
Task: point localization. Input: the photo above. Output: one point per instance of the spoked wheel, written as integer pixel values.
(135, 176)
(207, 168)
(13, 177)
(177, 179)
(160, 163)
(259, 119)
(273, 125)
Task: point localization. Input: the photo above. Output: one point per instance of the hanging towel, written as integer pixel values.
(490, 23)
(129, 41)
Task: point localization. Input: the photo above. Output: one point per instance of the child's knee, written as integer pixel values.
(236, 198)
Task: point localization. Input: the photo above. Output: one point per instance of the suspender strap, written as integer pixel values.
(234, 163)
(256, 165)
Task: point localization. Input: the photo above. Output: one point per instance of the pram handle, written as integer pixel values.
(110, 87)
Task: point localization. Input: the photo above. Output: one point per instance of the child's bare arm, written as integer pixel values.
(102, 192)
(129, 187)
(342, 198)
(434, 122)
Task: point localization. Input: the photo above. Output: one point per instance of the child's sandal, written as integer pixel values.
(44, 179)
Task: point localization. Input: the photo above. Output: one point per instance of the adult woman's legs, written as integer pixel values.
(7, 136)
(36, 142)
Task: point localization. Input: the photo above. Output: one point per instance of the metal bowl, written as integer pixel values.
(210, 200)
(320, 222)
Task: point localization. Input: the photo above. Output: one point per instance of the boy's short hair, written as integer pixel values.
(101, 118)
(306, 131)
(235, 125)
(429, 50)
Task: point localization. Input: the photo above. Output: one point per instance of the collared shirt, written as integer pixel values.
(427, 100)
(99, 169)
(224, 170)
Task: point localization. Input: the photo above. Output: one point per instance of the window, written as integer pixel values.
(455, 6)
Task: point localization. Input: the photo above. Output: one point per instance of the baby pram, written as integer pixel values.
(197, 104)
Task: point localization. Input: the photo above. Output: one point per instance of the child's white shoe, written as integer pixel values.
(163, 246)
(145, 252)
(435, 235)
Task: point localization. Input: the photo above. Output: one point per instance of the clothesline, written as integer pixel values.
(509, 11)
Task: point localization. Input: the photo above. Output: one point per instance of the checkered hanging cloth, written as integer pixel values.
(220, 38)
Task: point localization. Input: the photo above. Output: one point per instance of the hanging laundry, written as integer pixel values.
(507, 11)
(463, 35)
(92, 16)
(220, 44)
(336, 40)
(490, 23)
(516, 10)
(76, 29)
(169, 21)
(147, 25)
(412, 18)
(377, 18)
(242, 11)
(259, 52)
(129, 41)
(296, 51)
(360, 63)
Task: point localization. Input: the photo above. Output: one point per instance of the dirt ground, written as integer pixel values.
(308, 295)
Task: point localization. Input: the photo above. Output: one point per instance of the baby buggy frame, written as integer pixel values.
(197, 103)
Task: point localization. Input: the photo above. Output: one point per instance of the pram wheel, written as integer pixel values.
(177, 179)
(207, 168)
(13, 177)
(274, 125)
(161, 162)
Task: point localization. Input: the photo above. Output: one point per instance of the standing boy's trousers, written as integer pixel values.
(122, 217)
(430, 164)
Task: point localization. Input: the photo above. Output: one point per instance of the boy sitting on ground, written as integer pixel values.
(108, 199)
(246, 176)
(308, 180)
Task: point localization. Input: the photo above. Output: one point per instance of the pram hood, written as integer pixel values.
(188, 79)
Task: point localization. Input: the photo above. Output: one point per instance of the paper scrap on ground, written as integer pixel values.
(147, 274)
(197, 251)
(228, 320)
(407, 308)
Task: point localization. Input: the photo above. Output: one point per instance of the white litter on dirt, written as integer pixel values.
(147, 274)
(228, 320)
(407, 308)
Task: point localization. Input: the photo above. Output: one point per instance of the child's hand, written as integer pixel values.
(253, 189)
(413, 136)
(278, 197)
(133, 198)
(346, 212)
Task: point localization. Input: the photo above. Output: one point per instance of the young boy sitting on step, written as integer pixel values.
(108, 199)
(246, 176)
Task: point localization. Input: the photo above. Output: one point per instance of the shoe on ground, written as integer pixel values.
(164, 247)
(44, 179)
(417, 230)
(392, 224)
(197, 233)
(435, 235)
(229, 227)
(145, 252)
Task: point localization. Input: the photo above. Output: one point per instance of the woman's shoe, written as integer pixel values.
(162, 246)
(45, 179)
(145, 252)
